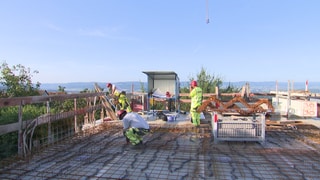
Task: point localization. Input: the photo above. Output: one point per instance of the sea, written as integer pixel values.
(136, 86)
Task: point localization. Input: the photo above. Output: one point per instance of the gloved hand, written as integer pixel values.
(134, 131)
(124, 132)
(195, 108)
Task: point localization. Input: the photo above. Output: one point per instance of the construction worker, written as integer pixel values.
(134, 127)
(121, 100)
(196, 101)
(113, 90)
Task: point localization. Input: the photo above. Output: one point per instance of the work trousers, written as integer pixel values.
(135, 135)
(195, 117)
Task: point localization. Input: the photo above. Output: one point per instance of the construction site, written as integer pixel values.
(174, 151)
(236, 139)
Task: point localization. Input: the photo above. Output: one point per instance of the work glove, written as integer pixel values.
(195, 108)
(134, 131)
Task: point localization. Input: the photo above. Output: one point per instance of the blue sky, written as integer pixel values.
(115, 40)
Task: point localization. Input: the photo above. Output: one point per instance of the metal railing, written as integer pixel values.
(26, 135)
(238, 128)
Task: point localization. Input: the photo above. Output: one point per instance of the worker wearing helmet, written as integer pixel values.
(196, 101)
(134, 127)
(113, 90)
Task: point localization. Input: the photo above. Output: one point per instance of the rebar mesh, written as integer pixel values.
(172, 151)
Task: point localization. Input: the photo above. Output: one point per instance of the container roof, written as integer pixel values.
(161, 75)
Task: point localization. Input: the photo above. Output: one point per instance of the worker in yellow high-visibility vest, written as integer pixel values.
(123, 102)
(196, 101)
(121, 98)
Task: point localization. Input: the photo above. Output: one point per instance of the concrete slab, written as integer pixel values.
(172, 151)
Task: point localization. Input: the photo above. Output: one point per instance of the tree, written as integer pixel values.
(142, 88)
(61, 89)
(207, 82)
(230, 89)
(17, 81)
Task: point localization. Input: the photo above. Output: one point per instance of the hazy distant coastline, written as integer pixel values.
(254, 86)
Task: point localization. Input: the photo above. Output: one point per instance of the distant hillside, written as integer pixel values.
(80, 86)
(136, 86)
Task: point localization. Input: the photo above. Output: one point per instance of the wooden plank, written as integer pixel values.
(204, 94)
(4, 129)
(15, 101)
(45, 118)
(106, 103)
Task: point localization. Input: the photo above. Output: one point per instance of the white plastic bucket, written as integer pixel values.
(170, 118)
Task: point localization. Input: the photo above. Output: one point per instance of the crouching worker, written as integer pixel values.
(134, 127)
